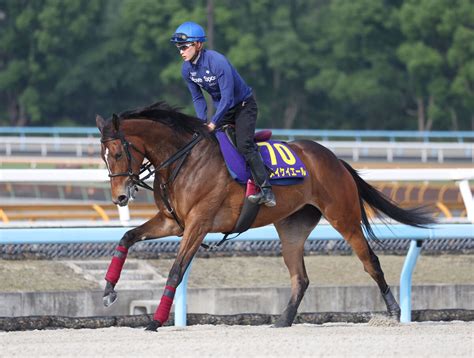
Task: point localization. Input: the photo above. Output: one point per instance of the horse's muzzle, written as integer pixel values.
(123, 199)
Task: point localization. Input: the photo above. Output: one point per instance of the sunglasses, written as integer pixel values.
(184, 47)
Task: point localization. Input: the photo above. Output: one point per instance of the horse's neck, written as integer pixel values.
(197, 175)
(162, 146)
(159, 141)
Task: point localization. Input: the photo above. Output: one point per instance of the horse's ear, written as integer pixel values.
(100, 122)
(116, 121)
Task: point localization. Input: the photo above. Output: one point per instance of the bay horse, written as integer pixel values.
(195, 195)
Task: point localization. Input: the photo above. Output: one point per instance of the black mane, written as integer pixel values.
(170, 116)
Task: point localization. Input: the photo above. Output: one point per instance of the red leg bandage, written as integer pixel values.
(163, 311)
(115, 267)
(252, 189)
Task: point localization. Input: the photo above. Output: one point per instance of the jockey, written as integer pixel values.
(232, 98)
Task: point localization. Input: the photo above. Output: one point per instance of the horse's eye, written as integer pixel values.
(118, 155)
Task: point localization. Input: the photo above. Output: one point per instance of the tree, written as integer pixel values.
(40, 41)
(438, 55)
(311, 63)
(357, 69)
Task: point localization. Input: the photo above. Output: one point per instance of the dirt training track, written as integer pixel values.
(375, 339)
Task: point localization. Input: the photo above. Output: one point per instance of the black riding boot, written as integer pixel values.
(260, 175)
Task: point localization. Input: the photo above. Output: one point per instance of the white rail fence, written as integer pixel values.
(460, 175)
(381, 150)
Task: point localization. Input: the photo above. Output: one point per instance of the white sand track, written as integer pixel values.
(426, 339)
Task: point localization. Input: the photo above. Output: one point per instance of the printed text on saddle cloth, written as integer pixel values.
(286, 167)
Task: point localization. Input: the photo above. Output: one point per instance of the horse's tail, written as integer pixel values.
(418, 217)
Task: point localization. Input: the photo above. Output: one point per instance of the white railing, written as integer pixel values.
(44, 146)
(460, 175)
(391, 151)
(356, 150)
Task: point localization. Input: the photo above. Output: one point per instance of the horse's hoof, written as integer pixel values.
(110, 298)
(395, 315)
(153, 326)
(281, 324)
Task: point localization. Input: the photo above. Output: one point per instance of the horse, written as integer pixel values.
(195, 195)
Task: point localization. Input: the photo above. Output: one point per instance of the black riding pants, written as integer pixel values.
(244, 117)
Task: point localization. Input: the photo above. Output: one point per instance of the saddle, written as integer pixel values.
(285, 167)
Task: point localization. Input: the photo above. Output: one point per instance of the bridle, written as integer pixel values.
(180, 157)
(126, 146)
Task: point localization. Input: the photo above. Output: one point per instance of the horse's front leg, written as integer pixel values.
(192, 238)
(158, 226)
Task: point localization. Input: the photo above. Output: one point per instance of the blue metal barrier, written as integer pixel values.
(50, 131)
(325, 134)
(405, 279)
(104, 234)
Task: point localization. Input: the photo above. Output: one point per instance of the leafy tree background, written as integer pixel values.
(368, 64)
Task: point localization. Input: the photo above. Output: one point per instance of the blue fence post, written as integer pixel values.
(180, 309)
(405, 280)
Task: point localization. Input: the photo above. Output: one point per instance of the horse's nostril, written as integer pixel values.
(122, 199)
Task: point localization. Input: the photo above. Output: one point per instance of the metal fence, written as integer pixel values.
(79, 148)
(90, 235)
(165, 249)
(324, 134)
(49, 145)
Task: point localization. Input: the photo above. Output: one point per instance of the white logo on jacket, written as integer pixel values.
(210, 78)
(196, 80)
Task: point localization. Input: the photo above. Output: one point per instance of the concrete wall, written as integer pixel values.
(324, 299)
(233, 301)
(69, 303)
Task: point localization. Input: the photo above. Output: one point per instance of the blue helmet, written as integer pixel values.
(189, 32)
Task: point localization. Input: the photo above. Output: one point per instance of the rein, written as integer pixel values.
(180, 157)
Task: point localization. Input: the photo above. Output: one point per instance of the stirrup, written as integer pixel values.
(255, 198)
(268, 198)
(264, 196)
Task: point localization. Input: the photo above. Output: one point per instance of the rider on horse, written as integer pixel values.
(233, 100)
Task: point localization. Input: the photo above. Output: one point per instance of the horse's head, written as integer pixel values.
(122, 157)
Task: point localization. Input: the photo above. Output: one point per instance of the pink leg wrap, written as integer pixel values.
(163, 311)
(115, 267)
(251, 188)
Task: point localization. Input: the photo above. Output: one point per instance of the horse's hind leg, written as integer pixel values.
(354, 236)
(344, 213)
(293, 232)
(393, 308)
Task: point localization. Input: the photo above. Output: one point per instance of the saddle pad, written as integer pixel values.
(286, 167)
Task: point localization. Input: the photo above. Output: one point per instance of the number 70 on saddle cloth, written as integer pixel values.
(283, 162)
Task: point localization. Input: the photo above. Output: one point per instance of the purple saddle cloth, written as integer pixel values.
(286, 167)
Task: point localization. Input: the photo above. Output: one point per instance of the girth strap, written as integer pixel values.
(247, 217)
